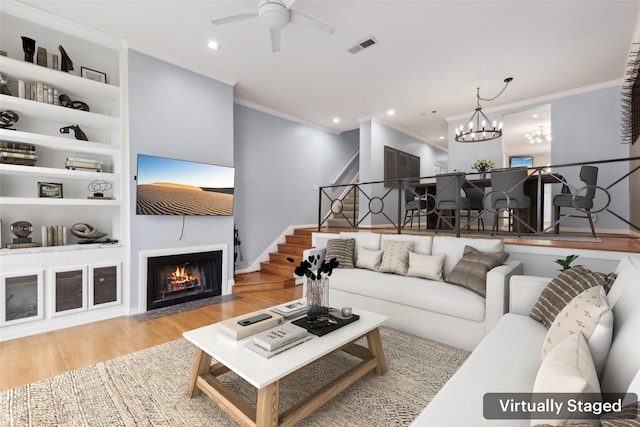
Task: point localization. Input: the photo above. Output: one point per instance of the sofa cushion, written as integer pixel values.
(588, 313)
(368, 258)
(471, 271)
(395, 257)
(624, 356)
(342, 250)
(453, 249)
(568, 368)
(421, 244)
(430, 295)
(561, 290)
(425, 266)
(364, 239)
(491, 368)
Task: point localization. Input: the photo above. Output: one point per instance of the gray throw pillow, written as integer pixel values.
(561, 290)
(471, 271)
(342, 250)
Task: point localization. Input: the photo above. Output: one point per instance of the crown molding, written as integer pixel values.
(402, 130)
(541, 99)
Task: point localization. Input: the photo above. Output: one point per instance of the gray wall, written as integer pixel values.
(278, 163)
(176, 113)
(374, 136)
(586, 127)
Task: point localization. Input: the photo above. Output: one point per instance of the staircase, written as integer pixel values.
(277, 273)
(349, 206)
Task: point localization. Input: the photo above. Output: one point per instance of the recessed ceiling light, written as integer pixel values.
(535, 116)
(336, 120)
(391, 112)
(442, 137)
(213, 45)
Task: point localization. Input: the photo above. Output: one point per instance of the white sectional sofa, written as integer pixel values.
(432, 309)
(509, 357)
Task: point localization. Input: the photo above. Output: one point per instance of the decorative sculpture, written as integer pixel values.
(29, 47)
(4, 85)
(65, 101)
(21, 229)
(98, 187)
(8, 118)
(65, 64)
(77, 132)
(86, 232)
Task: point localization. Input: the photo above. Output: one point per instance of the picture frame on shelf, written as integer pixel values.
(50, 189)
(95, 75)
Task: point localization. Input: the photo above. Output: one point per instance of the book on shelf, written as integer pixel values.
(17, 146)
(14, 161)
(17, 155)
(54, 235)
(291, 309)
(232, 328)
(23, 245)
(274, 338)
(269, 354)
(78, 159)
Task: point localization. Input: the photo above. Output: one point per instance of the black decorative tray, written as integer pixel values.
(323, 330)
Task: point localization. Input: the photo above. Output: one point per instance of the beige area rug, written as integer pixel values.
(148, 388)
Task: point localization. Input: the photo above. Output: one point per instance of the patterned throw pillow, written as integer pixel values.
(471, 271)
(342, 251)
(561, 290)
(395, 257)
(590, 314)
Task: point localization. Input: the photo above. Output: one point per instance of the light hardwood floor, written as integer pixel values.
(33, 358)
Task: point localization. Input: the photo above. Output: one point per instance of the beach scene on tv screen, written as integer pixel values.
(180, 187)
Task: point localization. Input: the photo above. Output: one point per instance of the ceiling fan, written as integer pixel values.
(276, 14)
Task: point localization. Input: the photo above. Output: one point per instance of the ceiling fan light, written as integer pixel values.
(274, 15)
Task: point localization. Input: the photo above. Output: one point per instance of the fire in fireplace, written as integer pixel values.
(174, 279)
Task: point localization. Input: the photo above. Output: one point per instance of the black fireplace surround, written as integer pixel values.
(174, 279)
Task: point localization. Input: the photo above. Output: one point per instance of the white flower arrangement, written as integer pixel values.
(483, 165)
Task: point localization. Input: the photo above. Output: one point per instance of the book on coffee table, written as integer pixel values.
(232, 328)
(269, 354)
(291, 309)
(274, 338)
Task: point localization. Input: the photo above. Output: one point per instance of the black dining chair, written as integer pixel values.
(584, 203)
(449, 199)
(507, 194)
(414, 205)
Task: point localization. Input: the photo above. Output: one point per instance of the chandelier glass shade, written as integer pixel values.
(479, 127)
(538, 136)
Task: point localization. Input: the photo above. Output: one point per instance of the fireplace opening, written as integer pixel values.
(174, 279)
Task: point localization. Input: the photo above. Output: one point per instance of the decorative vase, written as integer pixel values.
(29, 48)
(483, 175)
(318, 302)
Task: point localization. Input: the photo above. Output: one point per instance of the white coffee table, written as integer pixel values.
(265, 374)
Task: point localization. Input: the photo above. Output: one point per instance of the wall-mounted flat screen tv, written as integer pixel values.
(180, 187)
(520, 161)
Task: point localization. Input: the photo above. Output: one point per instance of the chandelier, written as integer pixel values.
(538, 136)
(479, 128)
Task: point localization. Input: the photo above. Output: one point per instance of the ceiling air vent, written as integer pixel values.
(363, 45)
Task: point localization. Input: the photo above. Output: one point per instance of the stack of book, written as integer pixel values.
(38, 91)
(75, 163)
(54, 235)
(277, 340)
(291, 309)
(18, 153)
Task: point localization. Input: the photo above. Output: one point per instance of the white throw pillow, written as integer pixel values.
(395, 258)
(589, 313)
(568, 368)
(425, 266)
(368, 259)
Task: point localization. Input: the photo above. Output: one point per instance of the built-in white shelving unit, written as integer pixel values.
(34, 281)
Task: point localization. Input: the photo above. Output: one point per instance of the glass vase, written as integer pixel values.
(318, 302)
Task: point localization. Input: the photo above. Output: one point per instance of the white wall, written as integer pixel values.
(176, 113)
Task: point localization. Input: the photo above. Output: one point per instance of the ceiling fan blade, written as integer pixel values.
(234, 18)
(296, 17)
(275, 41)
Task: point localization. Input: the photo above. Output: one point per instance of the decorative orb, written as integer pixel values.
(21, 228)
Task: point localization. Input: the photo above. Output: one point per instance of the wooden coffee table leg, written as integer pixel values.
(375, 346)
(201, 366)
(267, 407)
